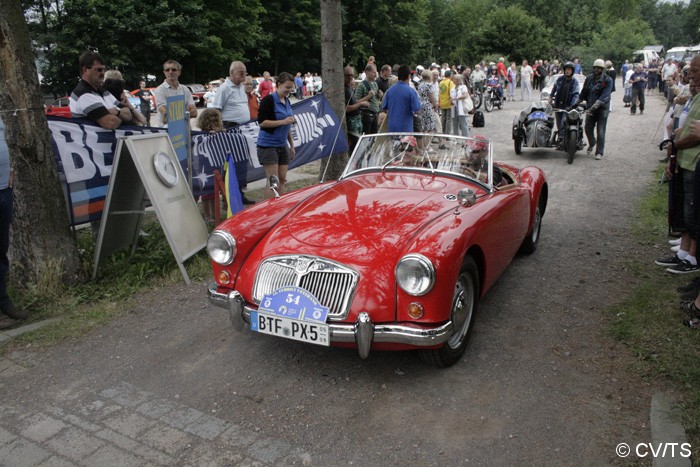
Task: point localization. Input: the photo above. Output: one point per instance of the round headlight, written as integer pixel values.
(573, 114)
(221, 247)
(415, 274)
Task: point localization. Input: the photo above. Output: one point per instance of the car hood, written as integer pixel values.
(388, 206)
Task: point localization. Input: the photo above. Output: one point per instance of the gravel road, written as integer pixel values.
(540, 384)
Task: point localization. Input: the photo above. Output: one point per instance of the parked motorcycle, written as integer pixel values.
(535, 128)
(477, 97)
(492, 98)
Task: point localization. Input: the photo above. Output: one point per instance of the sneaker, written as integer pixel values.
(14, 313)
(690, 309)
(674, 241)
(668, 261)
(675, 248)
(692, 323)
(590, 149)
(684, 267)
(598, 157)
(247, 201)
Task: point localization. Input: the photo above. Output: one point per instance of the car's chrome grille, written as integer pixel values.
(331, 283)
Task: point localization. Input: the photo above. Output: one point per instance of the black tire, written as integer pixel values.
(533, 236)
(488, 103)
(571, 145)
(518, 144)
(477, 100)
(464, 305)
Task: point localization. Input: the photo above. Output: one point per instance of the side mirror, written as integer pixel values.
(466, 197)
(274, 183)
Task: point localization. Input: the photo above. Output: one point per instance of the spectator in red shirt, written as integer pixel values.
(265, 87)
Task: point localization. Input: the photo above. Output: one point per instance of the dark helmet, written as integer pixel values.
(568, 65)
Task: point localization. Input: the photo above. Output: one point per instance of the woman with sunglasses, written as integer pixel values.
(275, 141)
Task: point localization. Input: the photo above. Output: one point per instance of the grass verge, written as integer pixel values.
(84, 306)
(649, 321)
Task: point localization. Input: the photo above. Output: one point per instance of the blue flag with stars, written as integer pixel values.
(317, 134)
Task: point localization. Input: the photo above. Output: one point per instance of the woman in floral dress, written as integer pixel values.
(427, 114)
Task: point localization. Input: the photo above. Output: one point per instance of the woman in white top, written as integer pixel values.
(459, 96)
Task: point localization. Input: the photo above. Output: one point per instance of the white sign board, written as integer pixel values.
(147, 164)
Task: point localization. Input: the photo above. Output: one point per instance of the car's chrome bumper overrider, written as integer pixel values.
(363, 332)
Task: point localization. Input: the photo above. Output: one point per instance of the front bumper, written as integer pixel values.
(362, 332)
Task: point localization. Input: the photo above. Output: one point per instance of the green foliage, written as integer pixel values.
(394, 31)
(291, 38)
(616, 41)
(273, 35)
(514, 30)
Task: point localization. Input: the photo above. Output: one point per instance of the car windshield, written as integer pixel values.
(452, 155)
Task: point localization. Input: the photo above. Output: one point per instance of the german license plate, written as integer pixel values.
(303, 331)
(293, 313)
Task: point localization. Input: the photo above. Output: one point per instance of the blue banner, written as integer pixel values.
(84, 152)
(177, 125)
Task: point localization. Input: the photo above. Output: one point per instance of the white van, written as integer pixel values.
(645, 57)
(692, 51)
(677, 53)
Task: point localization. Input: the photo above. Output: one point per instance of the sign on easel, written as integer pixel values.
(147, 165)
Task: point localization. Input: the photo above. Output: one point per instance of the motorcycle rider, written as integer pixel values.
(596, 92)
(564, 95)
(495, 82)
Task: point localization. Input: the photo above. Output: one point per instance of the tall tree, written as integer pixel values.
(291, 37)
(332, 69)
(512, 29)
(394, 31)
(41, 238)
(133, 36)
(231, 35)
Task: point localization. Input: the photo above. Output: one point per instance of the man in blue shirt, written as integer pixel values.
(8, 308)
(402, 101)
(299, 83)
(638, 80)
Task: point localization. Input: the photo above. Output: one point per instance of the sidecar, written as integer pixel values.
(534, 127)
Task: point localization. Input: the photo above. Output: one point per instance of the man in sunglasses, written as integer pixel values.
(89, 100)
(172, 87)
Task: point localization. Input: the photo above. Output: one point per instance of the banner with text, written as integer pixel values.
(84, 152)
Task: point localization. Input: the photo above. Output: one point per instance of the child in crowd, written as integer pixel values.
(210, 121)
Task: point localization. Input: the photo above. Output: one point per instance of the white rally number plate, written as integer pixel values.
(298, 330)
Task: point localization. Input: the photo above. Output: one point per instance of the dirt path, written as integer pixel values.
(171, 383)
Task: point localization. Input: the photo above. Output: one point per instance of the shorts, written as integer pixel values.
(271, 156)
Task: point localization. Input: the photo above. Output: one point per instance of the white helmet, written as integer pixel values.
(599, 63)
(420, 68)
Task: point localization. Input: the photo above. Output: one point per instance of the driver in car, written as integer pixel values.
(564, 96)
(477, 161)
(407, 152)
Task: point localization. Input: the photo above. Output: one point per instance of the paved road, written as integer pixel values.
(170, 383)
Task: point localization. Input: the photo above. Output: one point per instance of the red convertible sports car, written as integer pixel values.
(394, 255)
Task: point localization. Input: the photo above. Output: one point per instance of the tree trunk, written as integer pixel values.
(42, 247)
(332, 72)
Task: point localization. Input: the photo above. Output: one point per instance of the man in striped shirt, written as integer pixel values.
(89, 100)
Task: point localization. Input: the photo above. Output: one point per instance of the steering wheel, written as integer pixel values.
(468, 171)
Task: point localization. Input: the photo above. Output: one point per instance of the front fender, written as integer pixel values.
(249, 226)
